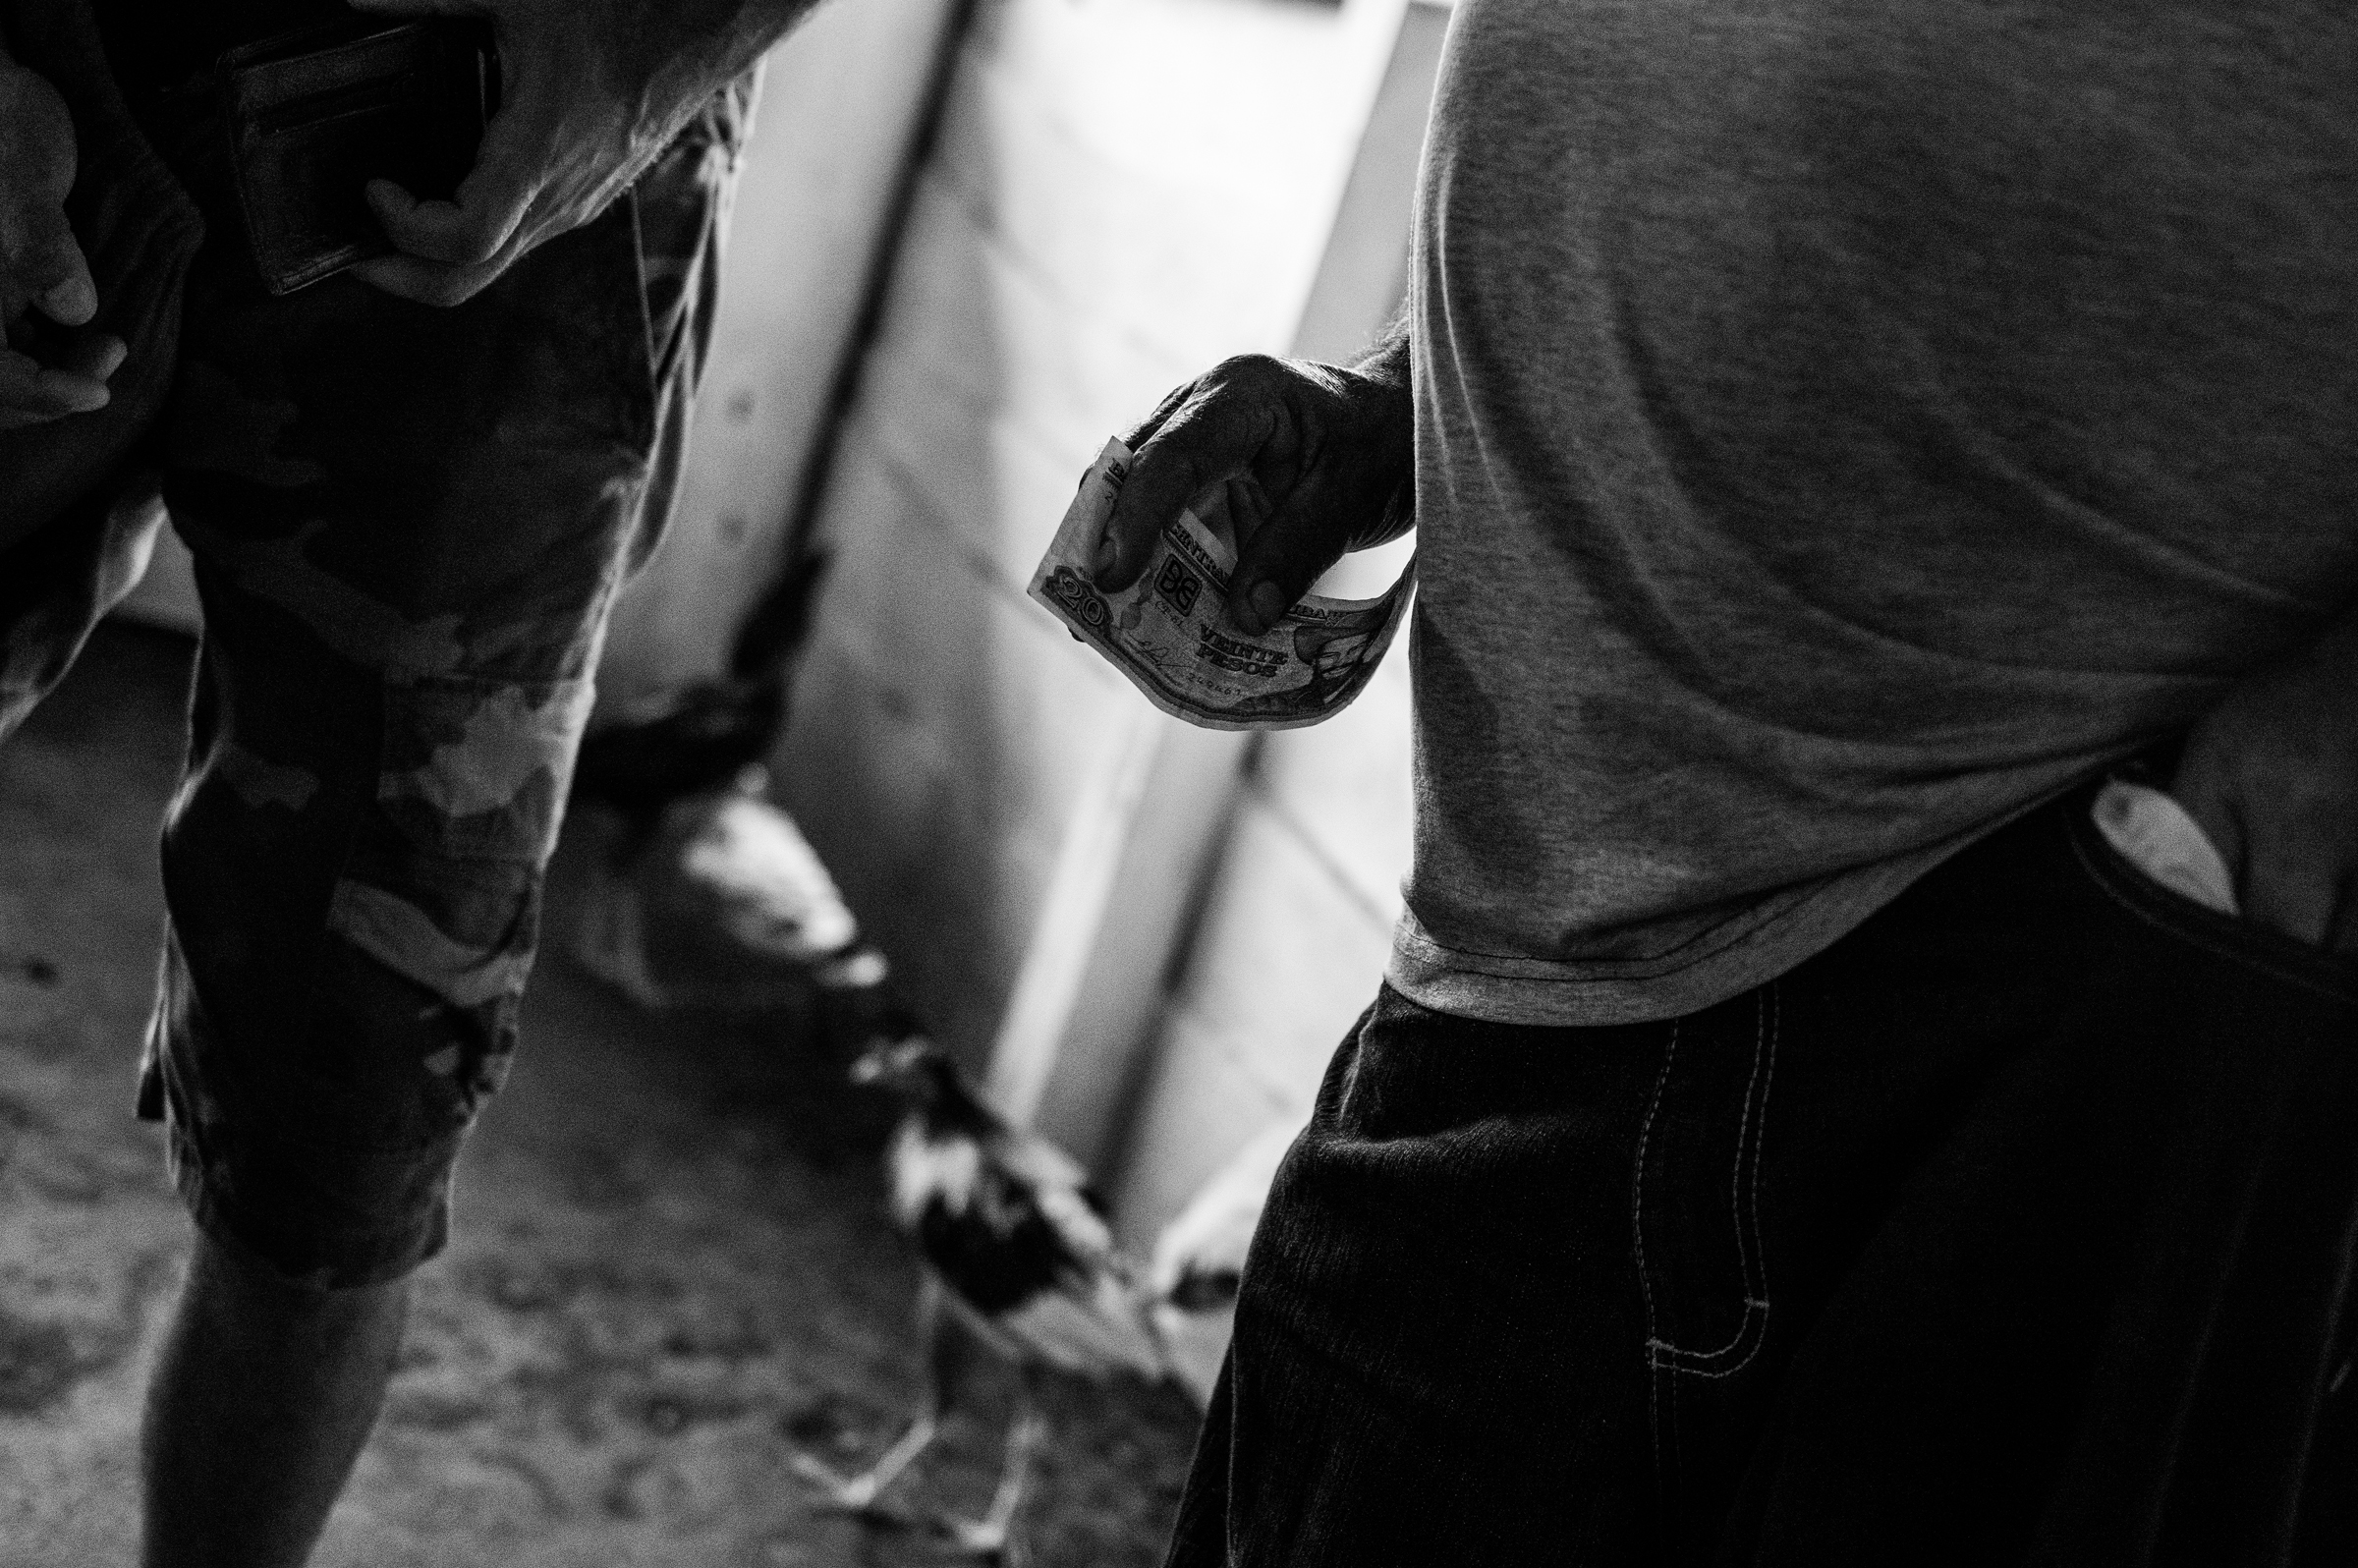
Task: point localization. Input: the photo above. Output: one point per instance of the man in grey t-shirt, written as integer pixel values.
(1837, 435)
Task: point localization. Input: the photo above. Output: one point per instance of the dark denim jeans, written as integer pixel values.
(2016, 1227)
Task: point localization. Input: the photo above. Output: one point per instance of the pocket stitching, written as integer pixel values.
(1637, 1224)
(1744, 1208)
(1637, 1196)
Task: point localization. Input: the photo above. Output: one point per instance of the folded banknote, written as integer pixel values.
(1170, 634)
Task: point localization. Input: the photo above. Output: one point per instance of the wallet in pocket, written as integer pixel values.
(314, 115)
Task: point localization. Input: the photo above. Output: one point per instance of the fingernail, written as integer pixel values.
(1106, 556)
(1268, 603)
(71, 302)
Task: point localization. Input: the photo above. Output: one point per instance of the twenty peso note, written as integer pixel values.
(1169, 631)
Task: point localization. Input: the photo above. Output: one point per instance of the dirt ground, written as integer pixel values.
(671, 1261)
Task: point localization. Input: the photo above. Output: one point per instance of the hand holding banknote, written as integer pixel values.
(1264, 473)
(1170, 632)
(1314, 458)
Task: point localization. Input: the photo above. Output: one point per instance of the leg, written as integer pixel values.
(941, 1343)
(1439, 1346)
(2045, 1239)
(1523, 1296)
(409, 525)
(265, 1391)
(990, 1537)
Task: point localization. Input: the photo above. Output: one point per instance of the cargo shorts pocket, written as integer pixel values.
(441, 887)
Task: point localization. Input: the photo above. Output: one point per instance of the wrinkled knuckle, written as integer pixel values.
(1247, 372)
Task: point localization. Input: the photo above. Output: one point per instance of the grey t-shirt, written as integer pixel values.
(1841, 426)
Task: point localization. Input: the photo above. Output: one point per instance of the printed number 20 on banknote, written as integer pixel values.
(1169, 631)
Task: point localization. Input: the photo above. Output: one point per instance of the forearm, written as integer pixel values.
(705, 39)
(1383, 365)
(1386, 359)
(591, 93)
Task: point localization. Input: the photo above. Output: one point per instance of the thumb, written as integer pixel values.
(46, 264)
(1281, 558)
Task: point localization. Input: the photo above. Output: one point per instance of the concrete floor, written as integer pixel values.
(671, 1261)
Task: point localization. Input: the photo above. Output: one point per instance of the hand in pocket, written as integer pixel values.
(2271, 776)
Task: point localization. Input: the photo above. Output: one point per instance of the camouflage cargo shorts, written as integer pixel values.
(409, 525)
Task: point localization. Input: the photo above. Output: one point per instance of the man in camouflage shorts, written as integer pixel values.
(411, 495)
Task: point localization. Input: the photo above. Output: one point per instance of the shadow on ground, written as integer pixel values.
(670, 1263)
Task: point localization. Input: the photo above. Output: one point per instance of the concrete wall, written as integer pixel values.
(1292, 943)
(1296, 921)
(841, 100)
(1122, 194)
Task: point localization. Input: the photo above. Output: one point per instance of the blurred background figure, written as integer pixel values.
(698, 889)
(1200, 1259)
(1017, 1259)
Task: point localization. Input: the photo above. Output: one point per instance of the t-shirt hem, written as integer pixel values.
(1573, 994)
